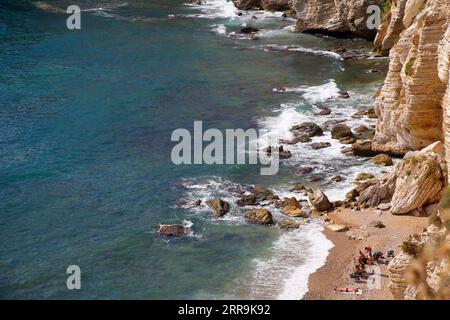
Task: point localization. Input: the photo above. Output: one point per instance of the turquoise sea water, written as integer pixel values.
(85, 124)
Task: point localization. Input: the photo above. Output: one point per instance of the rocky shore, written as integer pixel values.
(411, 138)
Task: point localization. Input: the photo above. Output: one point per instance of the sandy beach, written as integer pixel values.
(339, 264)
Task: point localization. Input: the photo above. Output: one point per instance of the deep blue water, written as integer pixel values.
(85, 124)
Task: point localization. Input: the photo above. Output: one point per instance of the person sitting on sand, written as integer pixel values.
(349, 290)
(362, 259)
(377, 255)
(390, 253)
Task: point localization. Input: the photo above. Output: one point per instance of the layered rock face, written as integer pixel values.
(335, 17)
(410, 105)
(444, 76)
(418, 180)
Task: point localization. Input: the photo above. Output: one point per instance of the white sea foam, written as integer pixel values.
(290, 48)
(294, 257)
(213, 9)
(219, 29)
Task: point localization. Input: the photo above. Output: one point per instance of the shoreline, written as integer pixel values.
(339, 263)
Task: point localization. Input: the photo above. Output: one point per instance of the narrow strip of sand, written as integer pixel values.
(339, 264)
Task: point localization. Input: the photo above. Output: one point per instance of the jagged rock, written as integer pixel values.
(338, 203)
(324, 112)
(382, 160)
(303, 138)
(278, 151)
(298, 187)
(246, 200)
(351, 195)
(371, 114)
(366, 148)
(421, 179)
(248, 30)
(329, 124)
(310, 129)
(248, 4)
(341, 131)
(364, 176)
(320, 145)
(276, 5)
(337, 227)
(288, 224)
(319, 200)
(259, 216)
(263, 194)
(172, 230)
(337, 178)
(219, 206)
(291, 207)
(361, 129)
(304, 170)
(347, 140)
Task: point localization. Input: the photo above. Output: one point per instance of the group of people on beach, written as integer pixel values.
(365, 258)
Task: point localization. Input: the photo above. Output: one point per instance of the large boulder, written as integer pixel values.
(291, 207)
(172, 230)
(288, 224)
(259, 216)
(382, 160)
(246, 200)
(421, 179)
(418, 180)
(341, 131)
(319, 200)
(308, 129)
(218, 206)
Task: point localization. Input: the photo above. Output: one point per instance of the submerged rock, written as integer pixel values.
(304, 170)
(172, 230)
(259, 216)
(288, 224)
(248, 30)
(218, 206)
(320, 145)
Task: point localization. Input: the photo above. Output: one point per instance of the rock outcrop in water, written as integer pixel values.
(343, 18)
(411, 104)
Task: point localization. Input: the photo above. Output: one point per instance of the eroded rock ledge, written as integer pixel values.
(340, 18)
